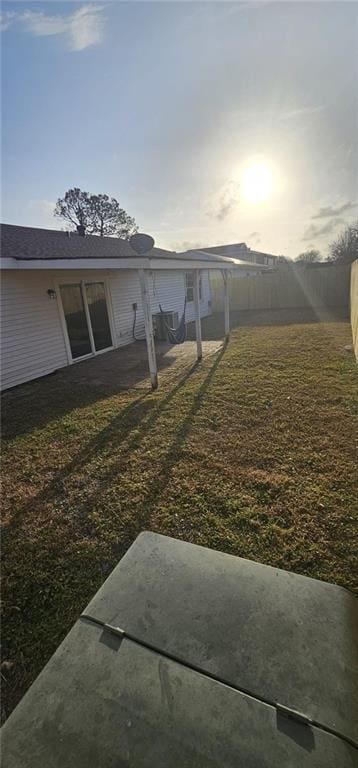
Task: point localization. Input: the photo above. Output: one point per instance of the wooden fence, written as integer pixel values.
(287, 288)
(354, 306)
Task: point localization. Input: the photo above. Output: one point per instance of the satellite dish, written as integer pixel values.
(141, 243)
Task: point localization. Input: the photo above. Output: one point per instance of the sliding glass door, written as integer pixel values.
(76, 321)
(86, 316)
(98, 312)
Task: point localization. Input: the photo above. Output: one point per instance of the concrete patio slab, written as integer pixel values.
(128, 366)
(124, 368)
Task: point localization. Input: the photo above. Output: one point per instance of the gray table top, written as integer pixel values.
(212, 647)
(281, 637)
(103, 701)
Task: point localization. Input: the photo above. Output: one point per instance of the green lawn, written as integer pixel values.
(252, 453)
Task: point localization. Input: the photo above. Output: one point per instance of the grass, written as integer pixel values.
(252, 452)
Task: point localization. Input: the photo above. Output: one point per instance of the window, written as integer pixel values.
(189, 286)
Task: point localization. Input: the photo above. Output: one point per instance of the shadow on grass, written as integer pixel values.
(57, 580)
(137, 418)
(157, 485)
(76, 386)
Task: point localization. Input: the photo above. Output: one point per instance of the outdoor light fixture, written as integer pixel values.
(51, 293)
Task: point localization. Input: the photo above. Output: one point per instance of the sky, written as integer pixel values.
(169, 106)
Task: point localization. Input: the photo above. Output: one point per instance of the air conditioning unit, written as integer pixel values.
(160, 320)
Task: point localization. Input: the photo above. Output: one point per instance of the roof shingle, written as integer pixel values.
(24, 243)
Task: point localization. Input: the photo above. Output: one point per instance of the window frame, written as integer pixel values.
(82, 283)
(189, 287)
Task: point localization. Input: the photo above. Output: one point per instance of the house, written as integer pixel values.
(69, 296)
(244, 253)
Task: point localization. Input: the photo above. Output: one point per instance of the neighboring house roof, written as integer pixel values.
(32, 243)
(242, 262)
(240, 250)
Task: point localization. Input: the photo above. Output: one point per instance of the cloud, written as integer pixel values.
(80, 29)
(226, 202)
(6, 19)
(329, 211)
(301, 112)
(255, 236)
(41, 25)
(43, 206)
(314, 231)
(186, 245)
(246, 5)
(39, 213)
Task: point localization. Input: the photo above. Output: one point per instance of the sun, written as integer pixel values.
(256, 182)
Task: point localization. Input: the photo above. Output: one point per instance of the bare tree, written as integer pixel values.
(309, 257)
(75, 208)
(108, 218)
(98, 214)
(345, 248)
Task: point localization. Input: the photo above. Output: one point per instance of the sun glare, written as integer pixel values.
(257, 183)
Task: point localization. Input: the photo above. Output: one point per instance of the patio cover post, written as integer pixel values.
(148, 324)
(199, 346)
(226, 304)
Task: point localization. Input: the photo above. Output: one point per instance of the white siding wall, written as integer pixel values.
(167, 288)
(32, 336)
(32, 342)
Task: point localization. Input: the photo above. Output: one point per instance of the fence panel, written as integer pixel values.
(287, 288)
(354, 306)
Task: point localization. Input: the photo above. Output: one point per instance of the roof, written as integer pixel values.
(32, 243)
(235, 249)
(24, 243)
